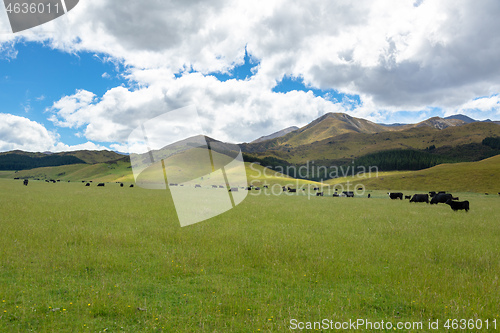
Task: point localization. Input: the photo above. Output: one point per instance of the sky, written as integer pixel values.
(87, 79)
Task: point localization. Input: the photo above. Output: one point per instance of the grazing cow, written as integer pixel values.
(319, 194)
(395, 195)
(46, 181)
(283, 188)
(213, 186)
(233, 189)
(360, 189)
(121, 184)
(197, 185)
(316, 189)
(369, 195)
(292, 190)
(348, 194)
(486, 194)
(335, 195)
(248, 188)
(131, 185)
(407, 197)
(53, 181)
(257, 188)
(16, 178)
(25, 182)
(420, 198)
(58, 180)
(88, 184)
(441, 198)
(458, 205)
(100, 184)
(265, 186)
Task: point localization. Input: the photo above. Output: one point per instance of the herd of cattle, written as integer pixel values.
(431, 197)
(436, 198)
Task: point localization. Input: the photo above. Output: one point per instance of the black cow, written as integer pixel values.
(265, 186)
(335, 195)
(369, 195)
(100, 184)
(441, 198)
(395, 195)
(233, 189)
(197, 185)
(455, 198)
(46, 181)
(458, 205)
(131, 185)
(348, 194)
(248, 188)
(88, 184)
(25, 182)
(316, 189)
(213, 186)
(121, 184)
(319, 194)
(407, 197)
(292, 190)
(256, 188)
(420, 198)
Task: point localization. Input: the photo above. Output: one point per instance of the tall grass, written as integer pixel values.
(74, 258)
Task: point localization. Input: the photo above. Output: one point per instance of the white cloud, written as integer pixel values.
(19, 133)
(22, 133)
(396, 55)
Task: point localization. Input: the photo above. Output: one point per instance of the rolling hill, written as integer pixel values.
(481, 177)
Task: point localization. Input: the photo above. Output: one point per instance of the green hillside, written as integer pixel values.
(479, 177)
(459, 142)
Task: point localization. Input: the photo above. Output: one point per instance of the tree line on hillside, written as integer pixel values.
(493, 142)
(22, 162)
(402, 159)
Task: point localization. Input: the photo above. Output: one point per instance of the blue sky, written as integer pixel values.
(87, 79)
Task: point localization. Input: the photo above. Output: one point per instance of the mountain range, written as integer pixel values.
(332, 139)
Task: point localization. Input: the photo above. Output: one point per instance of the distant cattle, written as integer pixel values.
(248, 188)
(458, 205)
(420, 198)
(369, 195)
(100, 184)
(360, 189)
(395, 195)
(220, 186)
(16, 178)
(292, 190)
(335, 195)
(441, 198)
(25, 182)
(53, 181)
(213, 186)
(316, 189)
(283, 188)
(46, 181)
(256, 188)
(265, 186)
(197, 185)
(233, 189)
(407, 197)
(121, 184)
(348, 194)
(131, 185)
(319, 194)
(58, 180)
(88, 184)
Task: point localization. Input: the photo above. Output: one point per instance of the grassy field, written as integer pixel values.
(89, 259)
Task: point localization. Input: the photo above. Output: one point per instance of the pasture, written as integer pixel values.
(95, 259)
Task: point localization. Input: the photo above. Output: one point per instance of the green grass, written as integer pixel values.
(99, 254)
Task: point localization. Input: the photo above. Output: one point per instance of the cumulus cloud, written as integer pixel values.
(395, 55)
(234, 110)
(23, 134)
